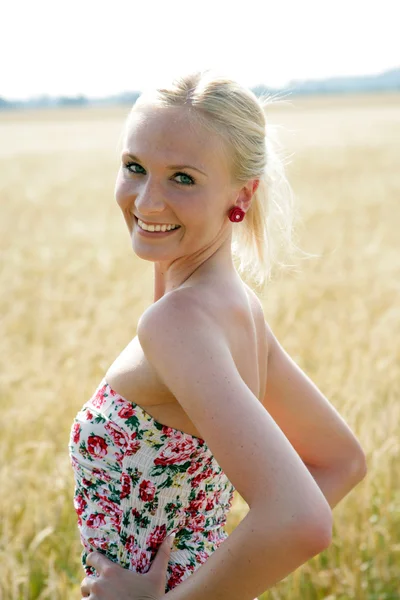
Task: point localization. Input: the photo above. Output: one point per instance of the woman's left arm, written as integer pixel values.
(337, 481)
(318, 433)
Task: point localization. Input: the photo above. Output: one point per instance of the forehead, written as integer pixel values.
(171, 134)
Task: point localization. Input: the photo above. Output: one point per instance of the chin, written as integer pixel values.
(151, 254)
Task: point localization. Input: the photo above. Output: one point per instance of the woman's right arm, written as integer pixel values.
(289, 520)
(259, 553)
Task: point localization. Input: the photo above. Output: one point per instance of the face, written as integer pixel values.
(173, 171)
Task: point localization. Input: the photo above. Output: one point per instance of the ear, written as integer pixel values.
(246, 193)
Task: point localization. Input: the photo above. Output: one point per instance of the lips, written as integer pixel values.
(161, 227)
(154, 234)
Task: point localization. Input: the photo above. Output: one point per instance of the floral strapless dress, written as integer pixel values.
(137, 481)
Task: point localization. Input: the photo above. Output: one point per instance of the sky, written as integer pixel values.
(99, 48)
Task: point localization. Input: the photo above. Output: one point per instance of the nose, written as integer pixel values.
(149, 198)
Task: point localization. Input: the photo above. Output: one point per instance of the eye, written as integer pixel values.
(188, 177)
(132, 168)
(128, 166)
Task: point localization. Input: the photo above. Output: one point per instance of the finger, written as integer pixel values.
(161, 559)
(85, 587)
(98, 561)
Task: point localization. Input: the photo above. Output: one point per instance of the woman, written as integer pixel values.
(186, 414)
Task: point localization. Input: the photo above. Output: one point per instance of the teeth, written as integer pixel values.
(156, 227)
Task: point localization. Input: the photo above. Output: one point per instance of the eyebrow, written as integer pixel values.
(133, 157)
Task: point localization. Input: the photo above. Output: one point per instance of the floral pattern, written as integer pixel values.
(137, 481)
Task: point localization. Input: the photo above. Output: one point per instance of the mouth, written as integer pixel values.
(154, 234)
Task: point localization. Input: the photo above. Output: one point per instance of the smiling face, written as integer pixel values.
(173, 171)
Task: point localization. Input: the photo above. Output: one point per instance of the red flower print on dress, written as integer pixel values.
(101, 474)
(217, 496)
(179, 449)
(134, 445)
(113, 511)
(178, 572)
(204, 475)
(79, 504)
(156, 537)
(76, 432)
(99, 399)
(126, 411)
(96, 520)
(147, 490)
(125, 486)
(117, 434)
(196, 522)
(210, 504)
(194, 467)
(130, 544)
(116, 521)
(126, 496)
(196, 504)
(119, 457)
(110, 508)
(99, 543)
(133, 448)
(214, 536)
(135, 513)
(140, 560)
(197, 537)
(201, 556)
(97, 446)
(168, 431)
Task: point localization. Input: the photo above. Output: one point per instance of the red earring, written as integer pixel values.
(236, 214)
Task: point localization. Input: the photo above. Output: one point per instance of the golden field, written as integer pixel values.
(72, 291)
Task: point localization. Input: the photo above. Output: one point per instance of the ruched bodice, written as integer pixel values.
(137, 481)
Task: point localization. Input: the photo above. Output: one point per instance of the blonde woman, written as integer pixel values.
(204, 400)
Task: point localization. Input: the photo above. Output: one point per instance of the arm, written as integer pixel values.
(289, 520)
(337, 481)
(321, 437)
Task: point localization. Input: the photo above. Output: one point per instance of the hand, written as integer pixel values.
(116, 583)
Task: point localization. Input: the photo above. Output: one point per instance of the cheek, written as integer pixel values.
(122, 191)
(122, 196)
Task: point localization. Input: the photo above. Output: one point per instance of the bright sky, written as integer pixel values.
(100, 48)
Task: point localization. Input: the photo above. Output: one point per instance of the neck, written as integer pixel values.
(206, 262)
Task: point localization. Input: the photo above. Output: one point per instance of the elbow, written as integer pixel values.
(357, 462)
(321, 535)
(360, 467)
(315, 532)
(355, 468)
(309, 537)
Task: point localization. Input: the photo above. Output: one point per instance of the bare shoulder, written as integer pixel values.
(181, 323)
(183, 308)
(183, 341)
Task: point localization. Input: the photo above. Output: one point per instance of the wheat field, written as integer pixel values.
(72, 291)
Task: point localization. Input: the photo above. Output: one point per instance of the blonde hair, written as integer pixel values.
(238, 116)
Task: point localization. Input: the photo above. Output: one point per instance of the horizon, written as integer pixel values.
(87, 49)
(139, 91)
